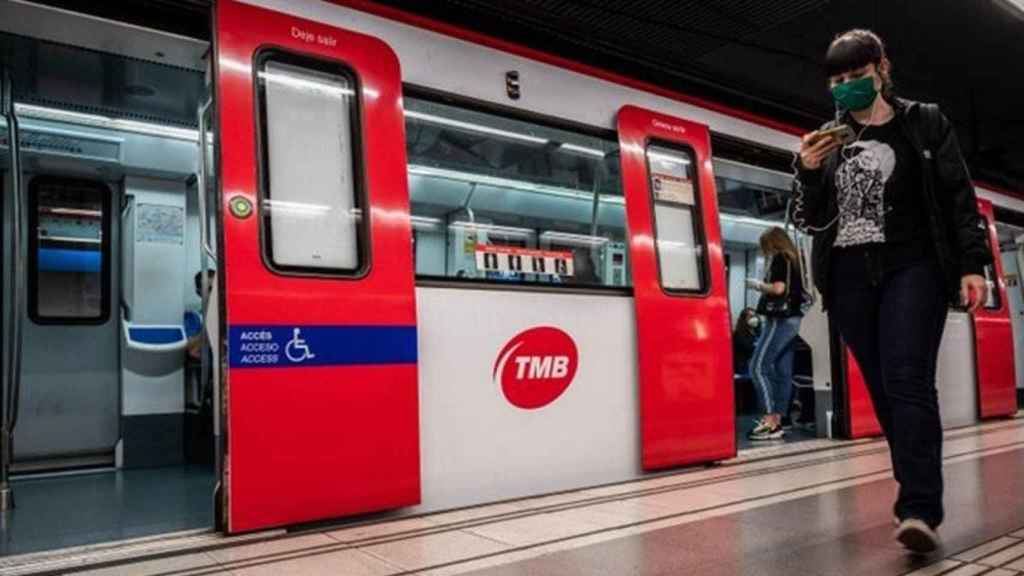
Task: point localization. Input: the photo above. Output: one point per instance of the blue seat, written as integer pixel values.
(193, 323)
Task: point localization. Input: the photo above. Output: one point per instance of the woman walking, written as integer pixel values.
(896, 240)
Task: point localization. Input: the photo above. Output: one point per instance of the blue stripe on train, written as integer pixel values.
(293, 346)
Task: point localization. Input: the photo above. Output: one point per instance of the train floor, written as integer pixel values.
(821, 511)
(83, 508)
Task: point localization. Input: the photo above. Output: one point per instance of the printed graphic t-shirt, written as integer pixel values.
(878, 182)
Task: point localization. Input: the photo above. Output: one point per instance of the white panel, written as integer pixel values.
(444, 63)
(678, 251)
(1015, 297)
(158, 266)
(430, 253)
(814, 329)
(955, 377)
(476, 446)
(153, 383)
(737, 286)
(312, 192)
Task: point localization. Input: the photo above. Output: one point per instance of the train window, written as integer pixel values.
(681, 254)
(751, 190)
(310, 170)
(69, 231)
(498, 199)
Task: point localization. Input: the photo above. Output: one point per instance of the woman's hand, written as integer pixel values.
(814, 150)
(755, 284)
(971, 285)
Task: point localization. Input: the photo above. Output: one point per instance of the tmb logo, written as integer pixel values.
(536, 366)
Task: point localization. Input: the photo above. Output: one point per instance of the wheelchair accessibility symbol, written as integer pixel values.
(297, 350)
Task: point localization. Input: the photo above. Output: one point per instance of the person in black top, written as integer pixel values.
(771, 367)
(896, 239)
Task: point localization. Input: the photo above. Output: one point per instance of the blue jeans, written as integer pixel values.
(771, 366)
(893, 325)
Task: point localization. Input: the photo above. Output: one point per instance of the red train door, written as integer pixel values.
(862, 420)
(321, 388)
(993, 347)
(993, 332)
(682, 310)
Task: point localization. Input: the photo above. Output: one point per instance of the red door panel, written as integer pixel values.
(327, 426)
(997, 394)
(863, 422)
(683, 339)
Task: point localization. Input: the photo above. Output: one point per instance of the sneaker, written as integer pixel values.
(787, 424)
(917, 536)
(765, 431)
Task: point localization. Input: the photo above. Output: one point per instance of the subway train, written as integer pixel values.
(435, 269)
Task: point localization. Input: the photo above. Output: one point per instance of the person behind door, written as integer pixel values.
(896, 239)
(771, 366)
(744, 338)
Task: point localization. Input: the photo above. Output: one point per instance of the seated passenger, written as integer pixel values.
(744, 337)
(583, 269)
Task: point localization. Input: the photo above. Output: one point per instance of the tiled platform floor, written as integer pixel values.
(824, 512)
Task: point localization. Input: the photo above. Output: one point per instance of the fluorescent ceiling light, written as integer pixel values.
(297, 208)
(425, 222)
(306, 84)
(668, 158)
(583, 150)
(492, 229)
(573, 239)
(474, 127)
(498, 182)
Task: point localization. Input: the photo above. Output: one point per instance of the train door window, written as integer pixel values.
(310, 170)
(673, 184)
(496, 198)
(69, 249)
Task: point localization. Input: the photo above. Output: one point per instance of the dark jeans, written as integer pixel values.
(893, 325)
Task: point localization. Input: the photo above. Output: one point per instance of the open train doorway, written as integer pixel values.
(109, 379)
(753, 200)
(1010, 233)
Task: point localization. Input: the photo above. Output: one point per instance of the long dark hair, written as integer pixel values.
(775, 241)
(855, 49)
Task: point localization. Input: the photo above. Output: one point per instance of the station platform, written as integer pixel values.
(816, 507)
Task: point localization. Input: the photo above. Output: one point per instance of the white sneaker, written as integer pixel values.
(765, 431)
(917, 536)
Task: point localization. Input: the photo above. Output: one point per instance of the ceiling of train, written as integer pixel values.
(755, 55)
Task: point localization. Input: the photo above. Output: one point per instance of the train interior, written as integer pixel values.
(113, 436)
(752, 200)
(1010, 229)
(117, 435)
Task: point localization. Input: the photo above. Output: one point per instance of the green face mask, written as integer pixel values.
(855, 95)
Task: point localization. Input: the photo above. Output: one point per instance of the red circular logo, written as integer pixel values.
(536, 366)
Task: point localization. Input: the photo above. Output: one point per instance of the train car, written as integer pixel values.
(434, 269)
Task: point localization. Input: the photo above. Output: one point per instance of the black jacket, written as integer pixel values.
(956, 227)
